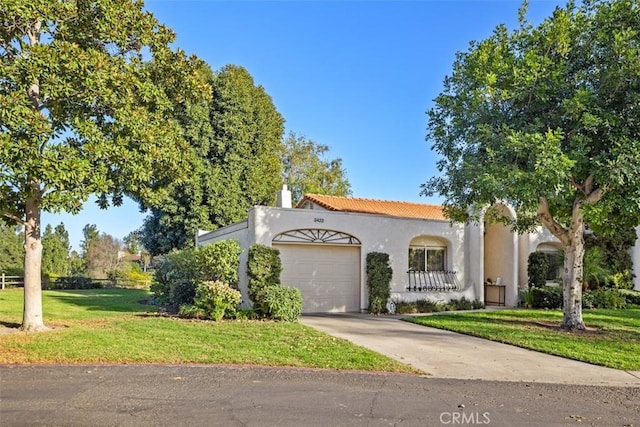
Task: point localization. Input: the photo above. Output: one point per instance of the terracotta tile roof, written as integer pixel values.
(379, 207)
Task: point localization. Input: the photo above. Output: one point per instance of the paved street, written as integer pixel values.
(241, 396)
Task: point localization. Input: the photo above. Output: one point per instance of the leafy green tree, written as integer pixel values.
(81, 113)
(132, 242)
(11, 249)
(545, 118)
(102, 256)
(55, 250)
(307, 171)
(77, 266)
(237, 143)
(100, 252)
(90, 234)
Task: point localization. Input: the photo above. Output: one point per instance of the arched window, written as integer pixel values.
(316, 235)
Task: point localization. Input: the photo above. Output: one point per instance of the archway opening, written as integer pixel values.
(500, 260)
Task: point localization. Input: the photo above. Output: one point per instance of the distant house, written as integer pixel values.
(324, 241)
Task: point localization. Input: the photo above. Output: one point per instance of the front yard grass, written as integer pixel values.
(111, 326)
(612, 337)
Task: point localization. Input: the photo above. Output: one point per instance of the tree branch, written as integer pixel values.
(545, 217)
(594, 196)
(13, 217)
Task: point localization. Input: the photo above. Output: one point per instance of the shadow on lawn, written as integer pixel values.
(12, 325)
(108, 300)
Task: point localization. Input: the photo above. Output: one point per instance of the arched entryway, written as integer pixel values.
(324, 265)
(500, 260)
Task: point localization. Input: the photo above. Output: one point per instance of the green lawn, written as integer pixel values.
(110, 326)
(612, 338)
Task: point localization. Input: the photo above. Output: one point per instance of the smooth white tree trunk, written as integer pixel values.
(32, 319)
(572, 279)
(572, 239)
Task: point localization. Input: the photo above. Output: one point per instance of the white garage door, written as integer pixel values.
(328, 276)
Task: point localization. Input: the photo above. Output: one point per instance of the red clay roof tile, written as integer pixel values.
(379, 207)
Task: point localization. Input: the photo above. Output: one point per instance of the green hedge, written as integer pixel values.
(72, 282)
(379, 275)
(177, 276)
(546, 297)
(632, 297)
(537, 268)
(214, 300)
(282, 303)
(551, 297)
(603, 298)
(263, 269)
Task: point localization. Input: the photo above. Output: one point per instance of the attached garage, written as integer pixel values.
(328, 276)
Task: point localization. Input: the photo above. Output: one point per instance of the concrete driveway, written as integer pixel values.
(444, 354)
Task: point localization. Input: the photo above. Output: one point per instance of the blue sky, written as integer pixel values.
(357, 76)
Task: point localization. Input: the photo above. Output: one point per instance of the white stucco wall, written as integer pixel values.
(474, 256)
(376, 233)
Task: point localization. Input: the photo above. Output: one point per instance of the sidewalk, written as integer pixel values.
(445, 354)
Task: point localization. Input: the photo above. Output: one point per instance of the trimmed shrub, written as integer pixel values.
(178, 274)
(218, 261)
(546, 297)
(632, 297)
(461, 304)
(263, 268)
(73, 282)
(603, 298)
(379, 275)
(428, 306)
(537, 268)
(217, 299)
(174, 278)
(477, 304)
(247, 314)
(281, 302)
(191, 312)
(404, 307)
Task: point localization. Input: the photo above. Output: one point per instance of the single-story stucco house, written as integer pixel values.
(324, 240)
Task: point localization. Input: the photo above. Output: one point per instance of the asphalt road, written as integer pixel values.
(148, 395)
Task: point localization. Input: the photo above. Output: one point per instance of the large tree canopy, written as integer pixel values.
(82, 113)
(307, 171)
(237, 144)
(547, 119)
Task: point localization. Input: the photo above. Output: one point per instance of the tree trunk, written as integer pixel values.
(573, 245)
(572, 275)
(32, 316)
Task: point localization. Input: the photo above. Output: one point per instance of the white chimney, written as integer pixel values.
(284, 198)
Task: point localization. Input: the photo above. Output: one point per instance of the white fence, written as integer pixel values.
(13, 281)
